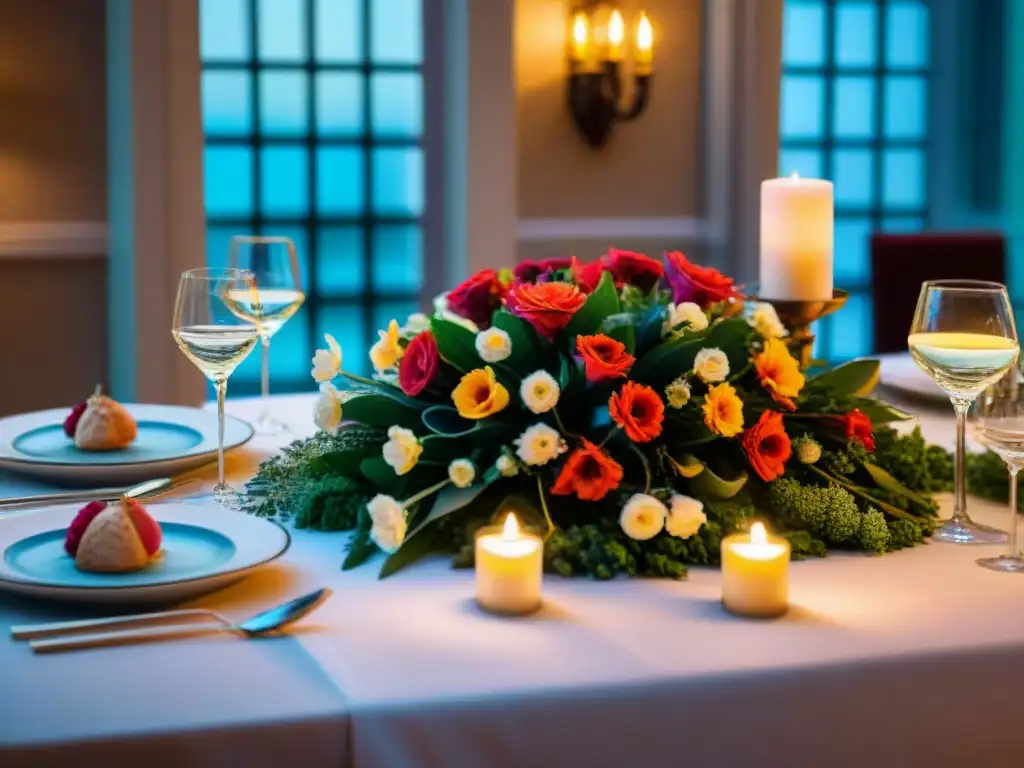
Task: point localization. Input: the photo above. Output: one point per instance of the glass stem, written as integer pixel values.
(265, 375)
(221, 385)
(1014, 469)
(960, 406)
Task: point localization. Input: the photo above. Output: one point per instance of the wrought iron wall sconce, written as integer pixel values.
(597, 35)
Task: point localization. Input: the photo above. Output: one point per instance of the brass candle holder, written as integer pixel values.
(797, 316)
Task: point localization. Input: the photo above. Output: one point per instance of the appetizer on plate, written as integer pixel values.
(100, 424)
(115, 538)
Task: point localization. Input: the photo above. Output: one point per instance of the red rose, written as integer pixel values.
(587, 276)
(702, 285)
(477, 297)
(548, 307)
(858, 427)
(768, 446)
(533, 271)
(419, 364)
(630, 268)
(603, 357)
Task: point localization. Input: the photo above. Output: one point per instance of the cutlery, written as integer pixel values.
(145, 490)
(261, 624)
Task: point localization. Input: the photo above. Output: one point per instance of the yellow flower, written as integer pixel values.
(779, 373)
(723, 411)
(386, 352)
(479, 395)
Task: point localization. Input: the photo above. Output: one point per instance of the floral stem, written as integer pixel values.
(561, 426)
(858, 491)
(611, 433)
(424, 493)
(544, 508)
(647, 466)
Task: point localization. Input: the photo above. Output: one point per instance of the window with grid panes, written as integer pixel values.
(313, 120)
(854, 107)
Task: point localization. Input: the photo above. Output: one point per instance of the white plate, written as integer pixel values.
(171, 439)
(899, 373)
(205, 547)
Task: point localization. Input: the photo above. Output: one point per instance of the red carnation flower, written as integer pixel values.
(857, 426)
(629, 268)
(418, 366)
(589, 472)
(768, 446)
(702, 285)
(477, 297)
(638, 410)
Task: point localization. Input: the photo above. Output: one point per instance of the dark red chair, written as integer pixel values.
(900, 263)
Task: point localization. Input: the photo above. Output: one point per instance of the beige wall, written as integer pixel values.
(53, 168)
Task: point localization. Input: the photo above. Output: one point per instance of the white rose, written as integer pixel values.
(711, 364)
(415, 324)
(402, 450)
(686, 311)
(493, 345)
(441, 303)
(506, 466)
(465, 322)
(678, 393)
(461, 472)
(539, 444)
(642, 517)
(386, 352)
(765, 320)
(685, 517)
(327, 362)
(389, 525)
(327, 413)
(540, 392)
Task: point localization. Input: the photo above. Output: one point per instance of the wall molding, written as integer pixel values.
(53, 239)
(602, 228)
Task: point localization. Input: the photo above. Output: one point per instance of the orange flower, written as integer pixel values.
(723, 410)
(589, 472)
(767, 446)
(548, 307)
(779, 373)
(638, 410)
(604, 357)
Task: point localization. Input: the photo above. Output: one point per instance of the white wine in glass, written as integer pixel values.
(209, 328)
(274, 264)
(964, 337)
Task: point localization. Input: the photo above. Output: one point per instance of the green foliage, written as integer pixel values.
(675, 355)
(527, 355)
(381, 412)
(602, 303)
(874, 533)
(857, 377)
(920, 467)
(826, 511)
(331, 504)
(988, 478)
(904, 533)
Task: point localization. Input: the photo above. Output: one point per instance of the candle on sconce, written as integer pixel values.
(644, 46)
(509, 569)
(616, 34)
(755, 573)
(796, 239)
(580, 37)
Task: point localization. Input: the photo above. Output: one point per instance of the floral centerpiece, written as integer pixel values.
(634, 410)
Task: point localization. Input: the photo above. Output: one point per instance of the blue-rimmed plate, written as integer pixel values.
(171, 439)
(205, 547)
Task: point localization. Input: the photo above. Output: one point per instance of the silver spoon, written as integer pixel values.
(145, 490)
(261, 624)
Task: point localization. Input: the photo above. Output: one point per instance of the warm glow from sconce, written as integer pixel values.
(616, 28)
(644, 34)
(580, 35)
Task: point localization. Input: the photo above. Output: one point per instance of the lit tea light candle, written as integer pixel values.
(755, 573)
(509, 569)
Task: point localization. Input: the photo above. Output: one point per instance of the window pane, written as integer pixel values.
(340, 268)
(346, 324)
(283, 103)
(806, 162)
(852, 266)
(902, 224)
(339, 104)
(396, 31)
(856, 29)
(398, 259)
(854, 336)
(227, 181)
(803, 33)
(217, 240)
(224, 29)
(906, 36)
(338, 24)
(284, 180)
(904, 178)
(282, 25)
(386, 311)
(397, 104)
(854, 112)
(227, 108)
(802, 107)
(853, 174)
(905, 107)
(398, 181)
(339, 180)
(290, 354)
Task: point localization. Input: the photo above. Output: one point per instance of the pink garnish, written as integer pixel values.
(77, 528)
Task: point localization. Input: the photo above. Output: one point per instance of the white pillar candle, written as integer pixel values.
(796, 239)
(755, 573)
(509, 569)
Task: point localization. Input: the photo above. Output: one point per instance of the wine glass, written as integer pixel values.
(274, 263)
(215, 335)
(963, 336)
(998, 421)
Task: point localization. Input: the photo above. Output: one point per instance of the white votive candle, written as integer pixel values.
(796, 239)
(755, 573)
(509, 569)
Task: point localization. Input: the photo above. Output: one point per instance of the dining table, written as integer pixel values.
(912, 658)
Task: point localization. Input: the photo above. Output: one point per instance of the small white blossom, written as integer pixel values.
(493, 345)
(462, 473)
(685, 517)
(402, 450)
(686, 311)
(540, 392)
(711, 364)
(415, 324)
(765, 320)
(327, 413)
(539, 444)
(506, 466)
(389, 524)
(327, 362)
(465, 322)
(678, 393)
(642, 517)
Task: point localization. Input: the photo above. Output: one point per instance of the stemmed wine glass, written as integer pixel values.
(215, 335)
(998, 421)
(274, 263)
(963, 336)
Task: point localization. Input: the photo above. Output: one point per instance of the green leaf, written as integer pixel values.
(360, 549)
(445, 420)
(417, 544)
(377, 410)
(385, 389)
(648, 332)
(526, 355)
(674, 356)
(879, 411)
(857, 377)
(604, 301)
(709, 484)
(378, 472)
(486, 434)
(622, 327)
(346, 463)
(457, 345)
(887, 482)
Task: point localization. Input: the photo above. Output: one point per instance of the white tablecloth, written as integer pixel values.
(907, 659)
